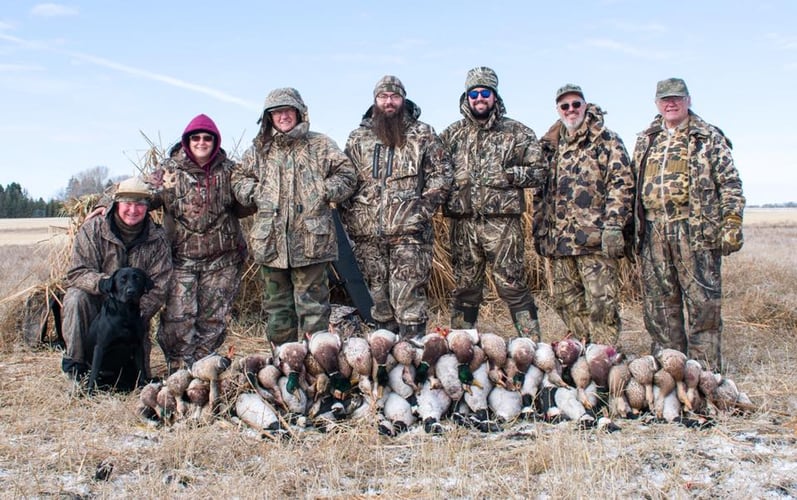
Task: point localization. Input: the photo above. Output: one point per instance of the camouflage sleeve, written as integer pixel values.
(438, 170)
(530, 169)
(726, 177)
(342, 178)
(619, 182)
(160, 270)
(85, 270)
(244, 178)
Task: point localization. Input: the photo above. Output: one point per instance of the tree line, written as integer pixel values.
(15, 202)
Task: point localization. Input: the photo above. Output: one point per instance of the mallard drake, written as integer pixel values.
(325, 347)
(495, 348)
(434, 346)
(290, 359)
(381, 343)
(447, 372)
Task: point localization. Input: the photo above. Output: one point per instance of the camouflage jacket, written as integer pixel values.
(200, 213)
(292, 179)
(493, 161)
(590, 187)
(97, 252)
(398, 189)
(714, 189)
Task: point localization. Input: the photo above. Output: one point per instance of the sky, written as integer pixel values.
(91, 83)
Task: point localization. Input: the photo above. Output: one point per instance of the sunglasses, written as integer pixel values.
(485, 93)
(201, 137)
(566, 105)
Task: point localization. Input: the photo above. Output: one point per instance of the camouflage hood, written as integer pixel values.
(280, 98)
(411, 113)
(592, 125)
(201, 123)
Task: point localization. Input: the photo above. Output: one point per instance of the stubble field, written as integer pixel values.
(52, 443)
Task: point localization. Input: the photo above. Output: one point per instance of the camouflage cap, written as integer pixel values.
(283, 97)
(134, 190)
(569, 88)
(671, 87)
(481, 76)
(390, 83)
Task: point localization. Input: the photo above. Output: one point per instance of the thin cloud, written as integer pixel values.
(142, 73)
(53, 10)
(630, 27)
(783, 42)
(19, 68)
(603, 43)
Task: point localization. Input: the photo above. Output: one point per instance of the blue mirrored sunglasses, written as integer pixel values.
(485, 93)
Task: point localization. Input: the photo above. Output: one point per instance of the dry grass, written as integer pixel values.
(52, 443)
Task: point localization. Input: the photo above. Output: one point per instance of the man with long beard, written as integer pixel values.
(404, 174)
(495, 158)
(579, 216)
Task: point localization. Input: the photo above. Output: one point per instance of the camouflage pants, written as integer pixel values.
(79, 310)
(397, 275)
(585, 296)
(498, 240)
(297, 301)
(673, 276)
(194, 322)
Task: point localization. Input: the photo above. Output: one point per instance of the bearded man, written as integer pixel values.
(403, 175)
(580, 213)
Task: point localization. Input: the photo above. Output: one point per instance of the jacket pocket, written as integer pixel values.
(263, 237)
(318, 237)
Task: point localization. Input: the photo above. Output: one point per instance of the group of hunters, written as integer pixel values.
(676, 204)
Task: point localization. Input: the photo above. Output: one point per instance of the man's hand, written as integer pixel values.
(612, 242)
(732, 239)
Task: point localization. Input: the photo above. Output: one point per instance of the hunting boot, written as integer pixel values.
(390, 325)
(463, 317)
(527, 326)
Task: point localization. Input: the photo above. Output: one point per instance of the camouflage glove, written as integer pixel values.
(612, 242)
(732, 238)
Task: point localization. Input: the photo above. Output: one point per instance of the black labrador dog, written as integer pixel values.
(115, 342)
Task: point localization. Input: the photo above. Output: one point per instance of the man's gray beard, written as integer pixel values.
(389, 129)
(574, 127)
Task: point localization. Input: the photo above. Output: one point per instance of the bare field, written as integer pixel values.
(53, 444)
(31, 231)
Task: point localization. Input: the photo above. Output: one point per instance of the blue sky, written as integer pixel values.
(81, 81)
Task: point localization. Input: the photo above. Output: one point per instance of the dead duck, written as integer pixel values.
(325, 347)
(289, 358)
(381, 343)
(462, 343)
(268, 379)
(398, 415)
(256, 413)
(619, 375)
(210, 369)
(357, 352)
(434, 346)
(663, 385)
(673, 362)
(692, 371)
(433, 403)
(545, 359)
(601, 358)
(580, 373)
(636, 395)
(447, 373)
(642, 370)
(476, 396)
(406, 353)
(532, 381)
(567, 350)
(495, 348)
(505, 404)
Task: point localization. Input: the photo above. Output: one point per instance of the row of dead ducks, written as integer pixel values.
(475, 379)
